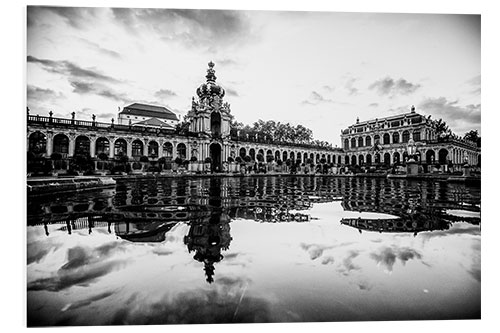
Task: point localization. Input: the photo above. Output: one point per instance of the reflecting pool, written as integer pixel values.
(255, 249)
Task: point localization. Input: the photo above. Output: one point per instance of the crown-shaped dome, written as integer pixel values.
(210, 88)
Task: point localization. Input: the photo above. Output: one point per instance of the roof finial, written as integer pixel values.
(211, 72)
(412, 108)
(357, 120)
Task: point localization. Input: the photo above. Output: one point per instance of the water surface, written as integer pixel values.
(255, 249)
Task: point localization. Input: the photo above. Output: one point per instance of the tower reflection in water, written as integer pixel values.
(146, 210)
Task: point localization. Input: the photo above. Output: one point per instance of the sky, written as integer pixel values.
(319, 69)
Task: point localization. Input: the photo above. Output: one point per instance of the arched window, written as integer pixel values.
(346, 144)
(368, 159)
(377, 158)
(61, 144)
(215, 123)
(406, 136)
(82, 145)
(333, 159)
(376, 139)
(102, 146)
(396, 158)
(395, 137)
(252, 154)
(353, 160)
(416, 136)
(137, 148)
(292, 156)
(153, 149)
(361, 159)
(430, 156)
(120, 147)
(443, 156)
(243, 152)
(346, 160)
(181, 151)
(360, 141)
(353, 143)
(168, 149)
(37, 143)
(387, 159)
(368, 141)
(277, 156)
(387, 139)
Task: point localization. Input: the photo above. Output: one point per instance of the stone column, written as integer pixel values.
(92, 147)
(49, 144)
(129, 148)
(71, 146)
(111, 148)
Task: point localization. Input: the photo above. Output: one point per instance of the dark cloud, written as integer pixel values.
(454, 114)
(225, 302)
(101, 49)
(84, 87)
(71, 70)
(391, 87)
(76, 17)
(231, 92)
(348, 264)
(84, 266)
(373, 105)
(387, 256)
(316, 98)
(34, 93)
(88, 301)
(165, 94)
(196, 28)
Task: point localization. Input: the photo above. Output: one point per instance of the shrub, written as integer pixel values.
(185, 163)
(260, 158)
(136, 166)
(193, 159)
(56, 156)
(208, 160)
(102, 156)
(178, 161)
(162, 160)
(248, 158)
(269, 158)
(322, 160)
(288, 162)
(238, 159)
(144, 159)
(230, 159)
(123, 159)
(279, 162)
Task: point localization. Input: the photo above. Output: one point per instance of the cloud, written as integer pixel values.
(475, 82)
(349, 86)
(347, 262)
(225, 302)
(101, 49)
(373, 105)
(328, 88)
(69, 69)
(225, 62)
(473, 230)
(232, 92)
(387, 256)
(165, 94)
(83, 88)
(316, 98)
(391, 87)
(34, 93)
(88, 301)
(454, 114)
(75, 17)
(84, 266)
(195, 28)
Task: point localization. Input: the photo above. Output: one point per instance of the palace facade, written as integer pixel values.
(386, 140)
(150, 131)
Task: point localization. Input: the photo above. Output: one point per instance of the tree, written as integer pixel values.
(473, 135)
(442, 128)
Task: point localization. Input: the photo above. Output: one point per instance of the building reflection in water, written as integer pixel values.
(146, 210)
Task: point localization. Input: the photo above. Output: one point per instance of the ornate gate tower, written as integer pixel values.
(210, 115)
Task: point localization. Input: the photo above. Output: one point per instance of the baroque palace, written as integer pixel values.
(146, 132)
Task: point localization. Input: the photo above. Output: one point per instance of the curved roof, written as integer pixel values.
(146, 110)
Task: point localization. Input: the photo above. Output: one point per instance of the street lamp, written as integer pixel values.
(412, 150)
(411, 165)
